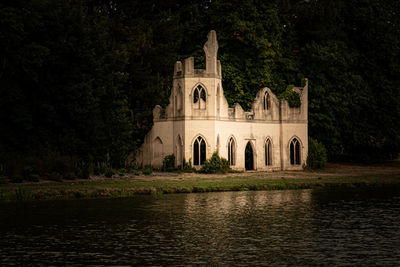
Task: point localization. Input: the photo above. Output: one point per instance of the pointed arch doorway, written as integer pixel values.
(249, 157)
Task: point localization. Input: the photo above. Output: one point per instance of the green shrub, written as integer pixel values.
(109, 173)
(292, 97)
(187, 166)
(135, 172)
(215, 164)
(316, 158)
(122, 172)
(169, 163)
(133, 166)
(148, 170)
(33, 178)
(225, 165)
(55, 176)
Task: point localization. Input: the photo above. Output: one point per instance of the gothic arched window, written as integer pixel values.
(199, 97)
(231, 151)
(268, 153)
(199, 151)
(295, 152)
(267, 101)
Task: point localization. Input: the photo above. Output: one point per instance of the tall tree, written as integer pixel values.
(62, 82)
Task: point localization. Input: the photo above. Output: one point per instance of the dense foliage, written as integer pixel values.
(169, 163)
(215, 164)
(76, 75)
(316, 158)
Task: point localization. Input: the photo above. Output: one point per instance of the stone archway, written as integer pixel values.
(249, 157)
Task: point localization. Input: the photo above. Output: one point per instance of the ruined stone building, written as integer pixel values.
(199, 121)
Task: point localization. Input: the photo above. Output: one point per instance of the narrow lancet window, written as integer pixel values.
(199, 151)
(267, 101)
(295, 152)
(268, 153)
(231, 151)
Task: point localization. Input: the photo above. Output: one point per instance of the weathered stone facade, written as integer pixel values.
(198, 121)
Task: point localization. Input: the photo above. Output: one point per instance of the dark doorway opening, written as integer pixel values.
(249, 157)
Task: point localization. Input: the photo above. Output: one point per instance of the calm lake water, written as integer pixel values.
(273, 228)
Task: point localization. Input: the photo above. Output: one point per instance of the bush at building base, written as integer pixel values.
(317, 157)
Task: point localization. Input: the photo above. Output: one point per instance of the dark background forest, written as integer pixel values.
(79, 79)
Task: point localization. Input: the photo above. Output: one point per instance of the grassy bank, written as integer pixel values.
(126, 187)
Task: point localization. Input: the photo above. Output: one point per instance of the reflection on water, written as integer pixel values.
(230, 202)
(274, 228)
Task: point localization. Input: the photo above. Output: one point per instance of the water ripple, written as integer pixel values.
(263, 228)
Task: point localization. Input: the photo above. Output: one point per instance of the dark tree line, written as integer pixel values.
(79, 78)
